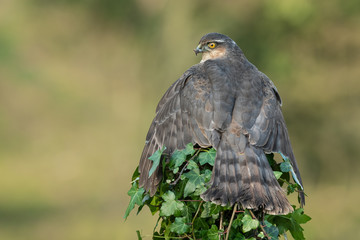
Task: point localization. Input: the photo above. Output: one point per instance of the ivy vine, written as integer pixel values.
(184, 215)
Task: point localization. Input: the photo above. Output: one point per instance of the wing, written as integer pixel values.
(172, 126)
(269, 129)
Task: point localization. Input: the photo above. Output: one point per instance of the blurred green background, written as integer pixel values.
(80, 80)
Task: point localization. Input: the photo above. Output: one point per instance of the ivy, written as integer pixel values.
(136, 195)
(184, 215)
(156, 160)
(285, 167)
(207, 157)
(170, 206)
(180, 225)
(249, 223)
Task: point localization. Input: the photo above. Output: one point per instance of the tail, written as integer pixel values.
(245, 177)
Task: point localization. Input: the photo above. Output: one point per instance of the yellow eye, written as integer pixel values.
(211, 45)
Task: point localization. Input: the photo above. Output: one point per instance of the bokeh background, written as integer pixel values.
(80, 80)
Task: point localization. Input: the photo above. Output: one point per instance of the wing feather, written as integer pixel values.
(172, 126)
(269, 130)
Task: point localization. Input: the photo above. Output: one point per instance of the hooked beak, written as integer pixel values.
(198, 50)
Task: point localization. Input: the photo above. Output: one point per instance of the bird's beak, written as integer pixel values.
(198, 50)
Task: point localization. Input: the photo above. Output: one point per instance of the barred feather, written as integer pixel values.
(246, 177)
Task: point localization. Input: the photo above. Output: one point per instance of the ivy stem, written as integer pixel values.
(192, 222)
(189, 236)
(221, 223)
(157, 222)
(231, 220)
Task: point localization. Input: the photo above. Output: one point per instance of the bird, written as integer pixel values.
(226, 103)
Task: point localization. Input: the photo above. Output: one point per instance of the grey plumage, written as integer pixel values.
(227, 103)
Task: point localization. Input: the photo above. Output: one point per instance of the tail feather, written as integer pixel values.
(246, 177)
(233, 178)
(216, 192)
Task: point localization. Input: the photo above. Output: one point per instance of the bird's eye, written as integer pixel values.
(212, 45)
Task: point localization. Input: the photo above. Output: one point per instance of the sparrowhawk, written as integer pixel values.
(226, 103)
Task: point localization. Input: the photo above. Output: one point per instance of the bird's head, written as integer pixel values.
(214, 45)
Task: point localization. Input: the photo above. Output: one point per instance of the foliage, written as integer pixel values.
(184, 215)
(136, 197)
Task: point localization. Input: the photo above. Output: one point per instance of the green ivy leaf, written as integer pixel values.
(237, 222)
(207, 157)
(179, 188)
(175, 170)
(195, 181)
(138, 235)
(177, 159)
(206, 210)
(189, 150)
(189, 188)
(299, 216)
(145, 198)
(180, 226)
(199, 190)
(201, 223)
(210, 210)
(277, 174)
(271, 230)
(239, 236)
(207, 175)
(156, 160)
(192, 165)
(194, 176)
(249, 223)
(285, 167)
(136, 174)
(297, 231)
(153, 206)
(170, 206)
(136, 195)
(287, 223)
(187, 212)
(261, 235)
(291, 188)
(213, 233)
